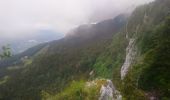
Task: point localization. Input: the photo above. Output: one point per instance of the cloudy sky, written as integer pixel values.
(22, 17)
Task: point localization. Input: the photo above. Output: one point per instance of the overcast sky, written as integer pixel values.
(21, 17)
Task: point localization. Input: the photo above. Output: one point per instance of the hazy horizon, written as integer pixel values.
(25, 17)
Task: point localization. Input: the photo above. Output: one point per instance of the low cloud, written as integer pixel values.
(23, 17)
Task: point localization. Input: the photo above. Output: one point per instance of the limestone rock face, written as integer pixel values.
(108, 92)
(130, 55)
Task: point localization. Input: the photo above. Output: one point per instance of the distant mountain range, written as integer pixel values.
(19, 45)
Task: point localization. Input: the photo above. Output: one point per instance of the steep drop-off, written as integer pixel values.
(133, 52)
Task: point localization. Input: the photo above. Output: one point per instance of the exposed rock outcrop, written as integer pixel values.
(108, 92)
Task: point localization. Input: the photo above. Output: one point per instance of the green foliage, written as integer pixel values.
(49, 75)
(5, 52)
(156, 75)
(130, 91)
(108, 64)
(71, 58)
(150, 71)
(77, 90)
(4, 80)
(17, 59)
(74, 92)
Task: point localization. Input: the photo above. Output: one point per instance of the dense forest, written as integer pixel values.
(61, 69)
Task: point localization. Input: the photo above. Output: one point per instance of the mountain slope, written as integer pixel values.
(16, 59)
(71, 58)
(147, 75)
(133, 52)
(22, 43)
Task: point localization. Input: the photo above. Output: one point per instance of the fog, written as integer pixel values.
(23, 17)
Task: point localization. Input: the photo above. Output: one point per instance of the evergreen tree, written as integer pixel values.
(6, 52)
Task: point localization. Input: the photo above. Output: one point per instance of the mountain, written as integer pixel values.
(58, 63)
(20, 44)
(132, 52)
(17, 59)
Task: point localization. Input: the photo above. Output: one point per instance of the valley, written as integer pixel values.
(123, 58)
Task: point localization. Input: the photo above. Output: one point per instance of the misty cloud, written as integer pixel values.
(21, 17)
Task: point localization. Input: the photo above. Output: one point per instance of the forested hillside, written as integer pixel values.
(149, 73)
(65, 60)
(132, 51)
